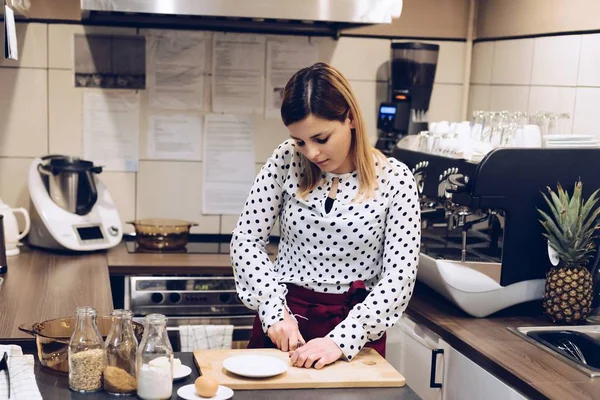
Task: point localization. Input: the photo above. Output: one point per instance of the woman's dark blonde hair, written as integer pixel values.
(322, 91)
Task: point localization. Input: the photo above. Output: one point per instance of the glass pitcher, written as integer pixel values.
(87, 358)
(155, 360)
(121, 349)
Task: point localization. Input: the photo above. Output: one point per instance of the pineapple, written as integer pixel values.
(570, 231)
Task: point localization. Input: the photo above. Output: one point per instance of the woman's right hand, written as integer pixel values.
(285, 334)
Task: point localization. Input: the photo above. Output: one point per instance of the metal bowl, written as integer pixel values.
(52, 339)
(162, 234)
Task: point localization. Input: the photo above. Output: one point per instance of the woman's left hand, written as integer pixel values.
(316, 353)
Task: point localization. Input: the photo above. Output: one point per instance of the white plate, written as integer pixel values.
(188, 392)
(568, 137)
(253, 366)
(573, 145)
(181, 372)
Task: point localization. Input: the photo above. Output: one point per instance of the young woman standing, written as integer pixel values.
(349, 226)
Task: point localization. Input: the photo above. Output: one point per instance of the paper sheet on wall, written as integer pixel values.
(175, 137)
(238, 73)
(284, 58)
(111, 129)
(228, 163)
(176, 66)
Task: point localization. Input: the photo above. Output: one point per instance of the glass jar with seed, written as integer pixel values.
(121, 347)
(87, 358)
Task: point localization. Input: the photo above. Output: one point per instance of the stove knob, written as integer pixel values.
(113, 231)
(175, 298)
(157, 298)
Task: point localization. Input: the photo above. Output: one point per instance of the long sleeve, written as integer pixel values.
(255, 276)
(389, 298)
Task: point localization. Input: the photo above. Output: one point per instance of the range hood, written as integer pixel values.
(310, 17)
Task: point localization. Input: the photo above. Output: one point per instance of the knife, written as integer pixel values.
(4, 366)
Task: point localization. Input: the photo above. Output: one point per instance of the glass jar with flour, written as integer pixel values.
(155, 360)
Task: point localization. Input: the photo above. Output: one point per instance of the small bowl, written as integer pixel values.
(52, 339)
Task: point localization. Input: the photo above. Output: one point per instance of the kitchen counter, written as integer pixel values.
(41, 285)
(53, 386)
(120, 261)
(489, 343)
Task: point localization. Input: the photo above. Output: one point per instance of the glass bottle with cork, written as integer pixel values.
(155, 360)
(87, 358)
(121, 349)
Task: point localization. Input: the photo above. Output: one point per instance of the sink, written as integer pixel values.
(578, 346)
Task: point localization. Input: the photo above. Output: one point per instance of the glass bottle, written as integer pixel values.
(155, 360)
(121, 349)
(87, 358)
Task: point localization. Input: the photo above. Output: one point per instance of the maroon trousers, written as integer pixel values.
(323, 312)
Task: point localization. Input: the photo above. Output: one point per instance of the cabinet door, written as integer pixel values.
(465, 380)
(419, 355)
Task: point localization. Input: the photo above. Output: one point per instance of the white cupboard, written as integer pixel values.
(436, 371)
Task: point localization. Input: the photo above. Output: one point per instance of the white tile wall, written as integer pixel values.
(64, 113)
(357, 58)
(170, 189)
(589, 63)
(41, 113)
(23, 112)
(13, 181)
(586, 119)
(121, 186)
(32, 44)
(481, 63)
(479, 98)
(556, 73)
(451, 62)
(556, 60)
(444, 105)
(512, 62)
(509, 98)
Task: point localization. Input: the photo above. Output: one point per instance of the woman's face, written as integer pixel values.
(325, 143)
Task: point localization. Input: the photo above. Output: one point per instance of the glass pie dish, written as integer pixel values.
(162, 234)
(52, 339)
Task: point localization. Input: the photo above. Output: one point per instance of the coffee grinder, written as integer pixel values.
(413, 68)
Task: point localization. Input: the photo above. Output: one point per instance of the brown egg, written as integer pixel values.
(206, 386)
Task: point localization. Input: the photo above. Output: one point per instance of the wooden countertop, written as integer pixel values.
(120, 261)
(489, 343)
(41, 285)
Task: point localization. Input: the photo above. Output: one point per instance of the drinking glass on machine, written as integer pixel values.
(477, 122)
(564, 124)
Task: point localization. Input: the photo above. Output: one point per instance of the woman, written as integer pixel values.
(350, 231)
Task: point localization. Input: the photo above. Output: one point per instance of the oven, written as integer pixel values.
(190, 300)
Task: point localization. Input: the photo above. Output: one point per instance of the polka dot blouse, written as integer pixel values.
(376, 241)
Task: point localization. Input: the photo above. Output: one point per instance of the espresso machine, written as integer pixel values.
(482, 245)
(71, 209)
(413, 68)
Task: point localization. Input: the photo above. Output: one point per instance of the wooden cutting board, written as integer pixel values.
(367, 369)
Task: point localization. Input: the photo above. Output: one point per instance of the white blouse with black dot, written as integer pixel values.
(376, 241)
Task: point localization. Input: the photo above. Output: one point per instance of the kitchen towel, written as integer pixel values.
(203, 337)
(22, 378)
